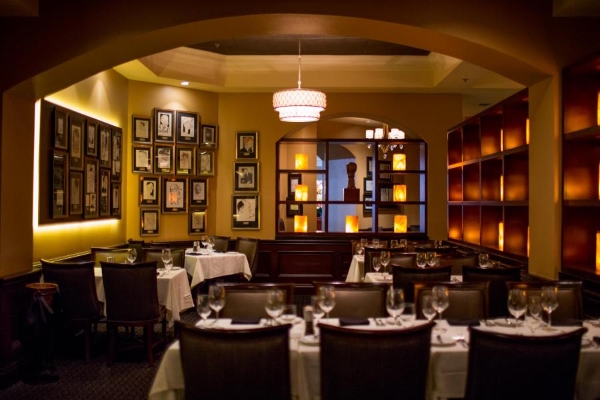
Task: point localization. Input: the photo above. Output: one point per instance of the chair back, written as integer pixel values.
(357, 299)
(130, 291)
(155, 254)
(497, 277)
(374, 364)
(457, 261)
(247, 300)
(249, 247)
(235, 364)
(467, 301)
(371, 252)
(503, 366)
(570, 298)
(221, 243)
(76, 288)
(100, 254)
(405, 277)
(403, 259)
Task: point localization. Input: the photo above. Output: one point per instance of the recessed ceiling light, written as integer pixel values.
(185, 83)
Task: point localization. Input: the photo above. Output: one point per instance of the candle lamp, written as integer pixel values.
(301, 161)
(400, 193)
(300, 223)
(400, 223)
(399, 162)
(301, 193)
(351, 223)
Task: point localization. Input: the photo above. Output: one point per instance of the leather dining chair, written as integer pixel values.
(505, 366)
(132, 301)
(247, 300)
(235, 363)
(357, 299)
(374, 364)
(100, 254)
(497, 277)
(457, 261)
(77, 297)
(467, 301)
(405, 277)
(249, 247)
(221, 243)
(403, 259)
(155, 254)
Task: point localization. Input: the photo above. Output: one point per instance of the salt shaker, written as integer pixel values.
(308, 320)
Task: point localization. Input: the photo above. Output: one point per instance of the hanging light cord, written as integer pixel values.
(299, 64)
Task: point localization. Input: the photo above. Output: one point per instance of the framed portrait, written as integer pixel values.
(142, 159)
(91, 138)
(149, 222)
(369, 172)
(76, 143)
(187, 127)
(245, 176)
(383, 167)
(293, 209)
(105, 142)
(90, 188)
(149, 191)
(164, 126)
(104, 207)
(60, 166)
(209, 137)
(61, 135)
(246, 145)
(198, 192)
(117, 155)
(163, 156)
(368, 204)
(115, 203)
(184, 160)
(174, 195)
(76, 193)
(205, 163)
(368, 185)
(197, 221)
(245, 211)
(142, 132)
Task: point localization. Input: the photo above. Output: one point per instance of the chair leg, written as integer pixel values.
(112, 338)
(148, 331)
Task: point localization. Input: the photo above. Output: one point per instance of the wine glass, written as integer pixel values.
(394, 244)
(484, 258)
(403, 244)
(409, 315)
(535, 311)
(549, 297)
(131, 255)
(318, 313)
(384, 259)
(211, 242)
(360, 249)
(204, 240)
(421, 260)
(440, 299)
(167, 259)
(395, 303)
(427, 308)
(430, 258)
(275, 304)
(375, 243)
(327, 299)
(376, 264)
(517, 303)
(216, 299)
(203, 308)
(363, 242)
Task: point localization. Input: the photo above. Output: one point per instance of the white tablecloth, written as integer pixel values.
(356, 272)
(209, 266)
(173, 292)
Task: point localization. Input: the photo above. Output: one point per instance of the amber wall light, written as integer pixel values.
(351, 223)
(399, 192)
(598, 252)
(501, 236)
(301, 193)
(301, 161)
(400, 223)
(300, 223)
(399, 162)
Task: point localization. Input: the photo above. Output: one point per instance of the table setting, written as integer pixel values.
(204, 263)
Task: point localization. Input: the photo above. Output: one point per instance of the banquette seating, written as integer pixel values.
(357, 299)
(467, 301)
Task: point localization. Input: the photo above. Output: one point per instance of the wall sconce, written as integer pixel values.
(301, 161)
(301, 193)
(400, 193)
(399, 162)
(400, 223)
(527, 241)
(351, 223)
(501, 139)
(527, 131)
(300, 223)
(598, 112)
(598, 181)
(598, 252)
(501, 236)
(501, 187)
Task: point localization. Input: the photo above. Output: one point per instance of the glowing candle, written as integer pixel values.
(301, 161)
(300, 223)
(400, 223)
(399, 162)
(351, 223)
(501, 236)
(399, 192)
(301, 193)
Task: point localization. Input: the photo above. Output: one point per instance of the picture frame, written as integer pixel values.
(149, 222)
(149, 191)
(246, 145)
(209, 137)
(163, 127)
(60, 167)
(383, 167)
(91, 138)
(293, 209)
(115, 203)
(142, 129)
(246, 176)
(368, 204)
(76, 138)
(174, 195)
(117, 151)
(61, 134)
(368, 185)
(185, 161)
(104, 200)
(198, 192)
(187, 127)
(369, 172)
(197, 221)
(90, 188)
(164, 159)
(142, 159)
(75, 193)
(245, 212)
(205, 162)
(105, 144)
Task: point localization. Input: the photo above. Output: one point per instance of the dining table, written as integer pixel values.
(356, 272)
(207, 264)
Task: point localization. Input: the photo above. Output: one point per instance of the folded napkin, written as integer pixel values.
(245, 321)
(567, 322)
(353, 321)
(194, 254)
(463, 322)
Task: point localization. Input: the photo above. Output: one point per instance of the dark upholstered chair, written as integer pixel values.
(503, 366)
(78, 299)
(235, 364)
(247, 300)
(221, 243)
(403, 260)
(405, 277)
(100, 254)
(570, 298)
(457, 261)
(468, 301)
(497, 277)
(374, 364)
(155, 254)
(357, 299)
(249, 247)
(132, 300)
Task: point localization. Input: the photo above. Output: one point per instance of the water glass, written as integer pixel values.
(384, 259)
(375, 243)
(203, 308)
(131, 255)
(535, 312)
(421, 260)
(317, 313)
(484, 258)
(549, 301)
(440, 299)
(216, 297)
(427, 308)
(409, 315)
(517, 303)
(289, 313)
(394, 244)
(395, 303)
(327, 299)
(403, 244)
(430, 258)
(376, 264)
(275, 303)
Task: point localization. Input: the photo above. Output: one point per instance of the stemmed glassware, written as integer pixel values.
(131, 255)
(204, 240)
(275, 304)
(375, 243)
(440, 299)
(421, 260)
(409, 315)
(549, 302)
(403, 244)
(360, 249)
(535, 311)
(484, 258)
(430, 258)
(395, 303)
(384, 259)
(318, 313)
(327, 299)
(394, 244)
(167, 259)
(216, 299)
(203, 308)
(427, 308)
(211, 242)
(517, 303)
(376, 264)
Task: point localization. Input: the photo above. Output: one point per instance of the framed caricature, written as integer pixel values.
(117, 150)
(115, 203)
(142, 159)
(91, 138)
(368, 204)
(174, 195)
(245, 175)
(197, 222)
(368, 184)
(164, 159)
(246, 145)
(149, 222)
(105, 143)
(104, 207)
(187, 127)
(184, 160)
(149, 191)
(245, 211)
(164, 126)
(198, 192)
(61, 135)
(369, 167)
(141, 129)
(76, 137)
(205, 163)
(75, 193)
(91, 188)
(60, 167)
(209, 137)
(293, 209)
